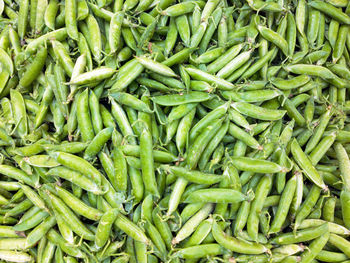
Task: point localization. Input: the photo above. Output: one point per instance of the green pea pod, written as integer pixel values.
(97, 143)
(212, 80)
(304, 162)
(104, 227)
(257, 112)
(72, 220)
(34, 69)
(178, 99)
(256, 165)
(236, 245)
(78, 164)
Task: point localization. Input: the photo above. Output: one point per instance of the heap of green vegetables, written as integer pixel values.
(174, 131)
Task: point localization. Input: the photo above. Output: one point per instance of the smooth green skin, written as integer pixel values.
(207, 120)
(212, 145)
(200, 142)
(64, 229)
(189, 227)
(70, 19)
(236, 245)
(320, 150)
(41, 247)
(307, 205)
(173, 83)
(156, 67)
(76, 178)
(23, 21)
(301, 235)
(257, 112)
(70, 218)
(313, 25)
(108, 167)
(341, 243)
(292, 83)
(304, 162)
(261, 193)
(77, 205)
(198, 35)
(78, 164)
(131, 101)
(55, 238)
(159, 156)
(180, 111)
(162, 227)
(115, 30)
(110, 250)
(331, 11)
(10, 255)
(59, 255)
(327, 256)
(212, 26)
(96, 118)
(183, 130)
(216, 195)
(202, 231)
(63, 57)
(345, 201)
(344, 164)
(34, 197)
(176, 194)
(122, 121)
(147, 162)
(243, 136)
(225, 58)
(234, 64)
(251, 96)
(16, 174)
(50, 14)
(312, 70)
(19, 113)
(83, 117)
(104, 227)
(284, 205)
(177, 99)
(67, 147)
(183, 29)
(251, 70)
(241, 218)
(131, 229)
(211, 79)
(293, 113)
(210, 55)
(97, 143)
(199, 251)
(156, 239)
(120, 168)
(256, 165)
(6, 62)
(300, 16)
(38, 232)
(13, 243)
(44, 106)
(328, 209)
(192, 176)
(140, 251)
(48, 252)
(107, 118)
(94, 34)
(314, 140)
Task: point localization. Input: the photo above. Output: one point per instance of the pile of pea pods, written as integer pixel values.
(173, 131)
